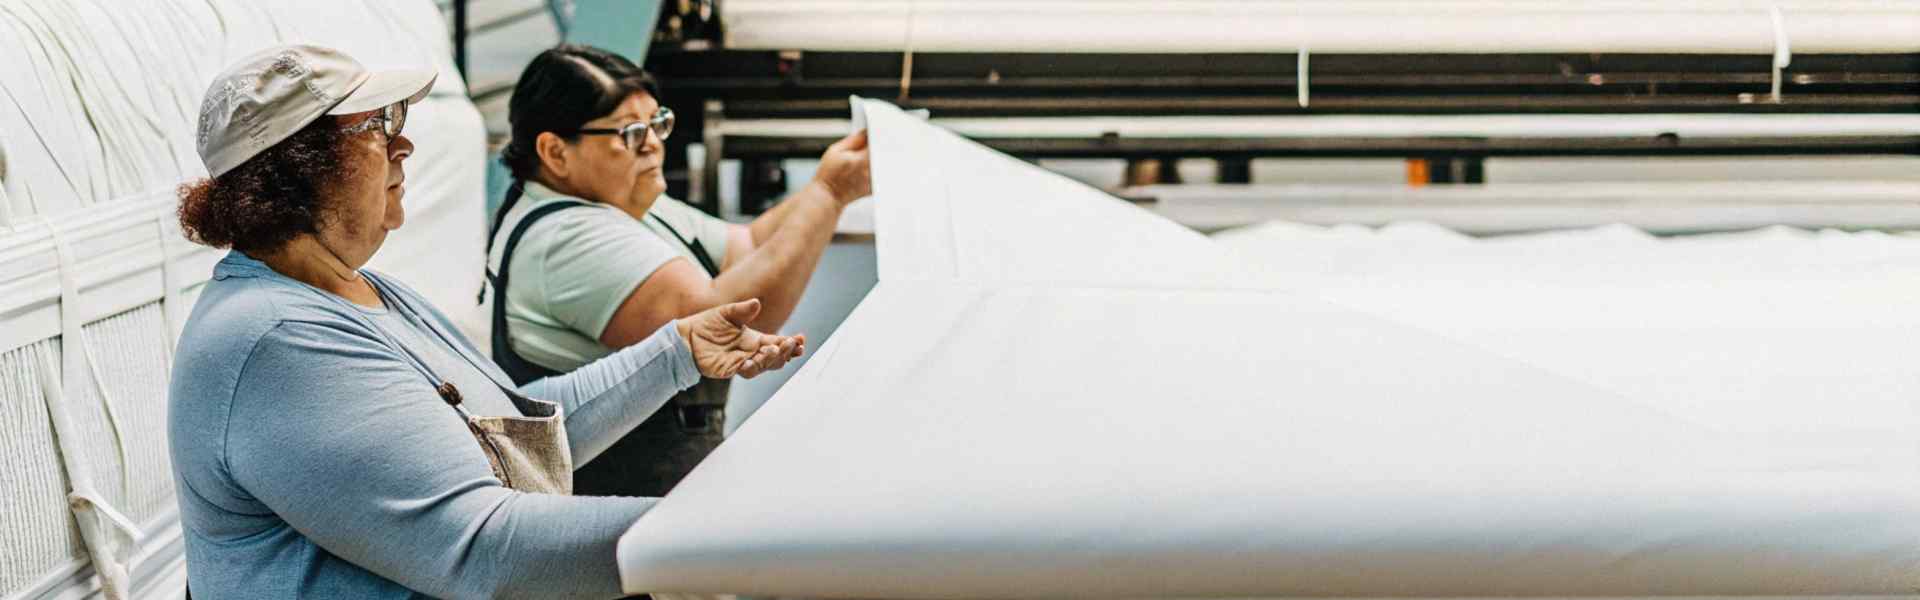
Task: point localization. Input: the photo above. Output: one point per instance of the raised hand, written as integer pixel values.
(723, 346)
(845, 169)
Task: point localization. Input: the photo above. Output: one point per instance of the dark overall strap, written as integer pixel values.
(709, 393)
(699, 250)
(520, 369)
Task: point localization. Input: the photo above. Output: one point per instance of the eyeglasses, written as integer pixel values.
(390, 121)
(635, 135)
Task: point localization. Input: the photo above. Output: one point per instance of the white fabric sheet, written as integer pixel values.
(1506, 208)
(1777, 331)
(1054, 394)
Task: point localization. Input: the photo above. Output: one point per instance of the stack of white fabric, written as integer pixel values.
(98, 104)
(1051, 393)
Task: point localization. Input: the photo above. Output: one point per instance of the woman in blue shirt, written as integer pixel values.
(314, 447)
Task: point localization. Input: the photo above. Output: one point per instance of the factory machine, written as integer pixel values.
(1445, 85)
(1750, 100)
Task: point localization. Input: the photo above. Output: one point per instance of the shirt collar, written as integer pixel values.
(238, 264)
(535, 191)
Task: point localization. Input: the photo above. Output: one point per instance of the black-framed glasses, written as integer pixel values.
(390, 121)
(634, 135)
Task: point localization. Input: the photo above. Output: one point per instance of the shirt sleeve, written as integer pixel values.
(351, 446)
(711, 231)
(590, 260)
(607, 398)
(603, 399)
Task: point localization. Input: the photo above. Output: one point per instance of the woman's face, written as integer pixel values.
(369, 194)
(603, 168)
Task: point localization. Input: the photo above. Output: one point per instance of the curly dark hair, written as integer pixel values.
(276, 195)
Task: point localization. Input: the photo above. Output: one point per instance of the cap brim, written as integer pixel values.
(386, 87)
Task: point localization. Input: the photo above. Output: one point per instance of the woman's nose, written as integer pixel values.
(400, 149)
(653, 143)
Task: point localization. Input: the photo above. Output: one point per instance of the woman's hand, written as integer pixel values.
(844, 170)
(723, 346)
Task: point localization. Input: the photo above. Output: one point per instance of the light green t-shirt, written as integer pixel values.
(575, 267)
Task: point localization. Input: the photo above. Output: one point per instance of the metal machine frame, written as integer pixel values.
(712, 85)
(765, 85)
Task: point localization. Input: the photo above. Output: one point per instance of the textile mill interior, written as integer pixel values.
(956, 299)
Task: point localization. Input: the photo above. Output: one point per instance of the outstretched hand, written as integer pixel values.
(723, 346)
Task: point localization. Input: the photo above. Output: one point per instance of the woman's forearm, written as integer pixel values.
(769, 222)
(605, 399)
(778, 269)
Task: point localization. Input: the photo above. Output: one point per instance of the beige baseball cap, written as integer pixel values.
(269, 96)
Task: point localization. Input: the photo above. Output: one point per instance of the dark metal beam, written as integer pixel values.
(756, 83)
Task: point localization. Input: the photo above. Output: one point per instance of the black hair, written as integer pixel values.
(563, 88)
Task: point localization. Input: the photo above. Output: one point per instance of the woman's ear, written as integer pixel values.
(553, 153)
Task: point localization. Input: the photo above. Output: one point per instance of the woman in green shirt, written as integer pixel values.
(587, 255)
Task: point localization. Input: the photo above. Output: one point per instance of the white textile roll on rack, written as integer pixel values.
(1376, 126)
(1326, 26)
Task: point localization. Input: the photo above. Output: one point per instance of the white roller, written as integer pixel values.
(1375, 126)
(1326, 26)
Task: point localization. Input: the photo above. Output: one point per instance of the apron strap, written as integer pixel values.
(496, 456)
(422, 314)
(519, 369)
(448, 393)
(406, 354)
(698, 250)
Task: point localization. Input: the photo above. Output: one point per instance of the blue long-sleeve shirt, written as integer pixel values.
(312, 460)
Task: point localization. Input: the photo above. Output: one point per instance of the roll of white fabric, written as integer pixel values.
(1326, 26)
